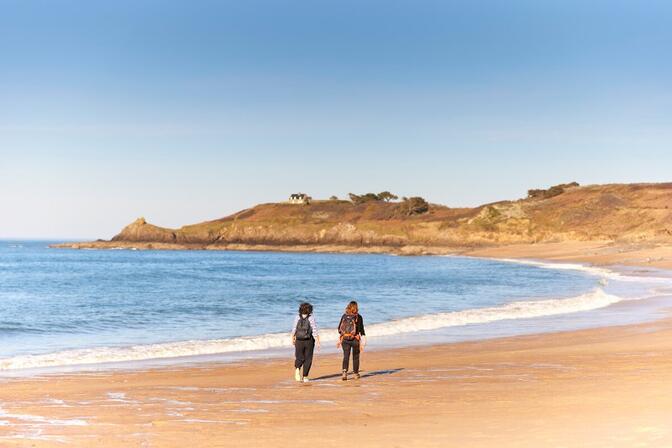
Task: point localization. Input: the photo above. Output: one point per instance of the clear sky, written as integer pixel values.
(186, 111)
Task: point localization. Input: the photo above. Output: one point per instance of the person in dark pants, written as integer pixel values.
(352, 338)
(305, 336)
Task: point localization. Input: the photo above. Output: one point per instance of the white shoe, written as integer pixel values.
(297, 374)
(306, 380)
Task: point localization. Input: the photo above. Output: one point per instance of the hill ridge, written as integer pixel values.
(627, 213)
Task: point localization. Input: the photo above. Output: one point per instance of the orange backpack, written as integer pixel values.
(348, 327)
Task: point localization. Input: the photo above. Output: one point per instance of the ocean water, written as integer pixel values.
(71, 307)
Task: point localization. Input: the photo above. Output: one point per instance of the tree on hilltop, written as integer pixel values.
(387, 196)
(360, 199)
(354, 198)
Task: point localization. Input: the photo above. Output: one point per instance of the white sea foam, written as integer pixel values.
(514, 310)
(144, 352)
(594, 270)
(592, 300)
(597, 271)
(38, 419)
(201, 420)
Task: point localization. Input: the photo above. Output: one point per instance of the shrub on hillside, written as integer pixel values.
(360, 199)
(413, 206)
(555, 190)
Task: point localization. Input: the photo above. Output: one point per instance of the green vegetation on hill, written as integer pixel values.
(367, 197)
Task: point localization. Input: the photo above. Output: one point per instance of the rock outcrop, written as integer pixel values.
(141, 231)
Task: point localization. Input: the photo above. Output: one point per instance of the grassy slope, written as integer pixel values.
(631, 213)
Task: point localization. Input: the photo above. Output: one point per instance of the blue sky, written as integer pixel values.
(186, 111)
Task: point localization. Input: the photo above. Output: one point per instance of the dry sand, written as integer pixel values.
(603, 253)
(609, 387)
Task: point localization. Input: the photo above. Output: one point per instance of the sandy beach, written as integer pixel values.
(599, 253)
(603, 387)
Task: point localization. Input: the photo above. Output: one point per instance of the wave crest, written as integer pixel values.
(513, 310)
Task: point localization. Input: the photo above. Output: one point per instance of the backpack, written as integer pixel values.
(348, 326)
(303, 330)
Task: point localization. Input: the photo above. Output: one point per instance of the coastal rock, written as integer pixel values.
(141, 231)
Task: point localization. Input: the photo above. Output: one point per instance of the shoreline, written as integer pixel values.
(242, 247)
(599, 252)
(431, 329)
(596, 387)
(604, 386)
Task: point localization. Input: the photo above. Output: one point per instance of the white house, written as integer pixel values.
(299, 198)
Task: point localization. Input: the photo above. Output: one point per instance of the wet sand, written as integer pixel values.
(601, 387)
(608, 387)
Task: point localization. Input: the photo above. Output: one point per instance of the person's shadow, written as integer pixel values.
(364, 375)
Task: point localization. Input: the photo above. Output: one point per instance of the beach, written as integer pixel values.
(599, 253)
(607, 387)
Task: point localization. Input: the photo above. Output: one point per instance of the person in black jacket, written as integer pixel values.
(352, 338)
(305, 337)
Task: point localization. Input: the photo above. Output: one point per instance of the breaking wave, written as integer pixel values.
(597, 271)
(513, 310)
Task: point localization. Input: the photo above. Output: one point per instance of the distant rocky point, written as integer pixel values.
(627, 213)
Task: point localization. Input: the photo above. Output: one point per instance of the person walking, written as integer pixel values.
(352, 338)
(305, 336)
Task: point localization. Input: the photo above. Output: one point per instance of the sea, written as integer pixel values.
(63, 309)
